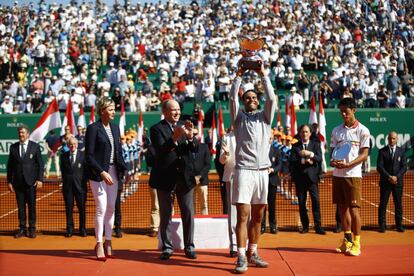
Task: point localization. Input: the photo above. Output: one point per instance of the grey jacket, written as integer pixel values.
(252, 130)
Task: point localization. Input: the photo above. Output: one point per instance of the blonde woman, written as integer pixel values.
(105, 166)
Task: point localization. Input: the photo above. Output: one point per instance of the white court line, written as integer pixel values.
(5, 193)
(37, 199)
(388, 211)
(377, 206)
(404, 194)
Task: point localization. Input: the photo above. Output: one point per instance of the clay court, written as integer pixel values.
(288, 252)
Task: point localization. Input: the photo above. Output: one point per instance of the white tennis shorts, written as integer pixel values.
(250, 186)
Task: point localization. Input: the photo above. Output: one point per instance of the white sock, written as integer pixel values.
(252, 247)
(241, 251)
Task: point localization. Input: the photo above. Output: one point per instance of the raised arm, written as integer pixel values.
(271, 100)
(234, 98)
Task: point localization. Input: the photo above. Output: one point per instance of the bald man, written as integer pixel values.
(391, 165)
(173, 175)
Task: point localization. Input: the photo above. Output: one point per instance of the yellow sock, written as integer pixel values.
(357, 239)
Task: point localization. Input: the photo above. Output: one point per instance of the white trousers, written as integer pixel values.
(105, 197)
(202, 194)
(155, 210)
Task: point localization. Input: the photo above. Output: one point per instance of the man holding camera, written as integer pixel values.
(252, 130)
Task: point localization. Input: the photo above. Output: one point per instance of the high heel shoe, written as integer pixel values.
(99, 258)
(108, 250)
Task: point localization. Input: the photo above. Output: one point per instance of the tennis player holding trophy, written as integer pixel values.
(252, 130)
(349, 148)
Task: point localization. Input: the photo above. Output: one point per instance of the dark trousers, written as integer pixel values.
(186, 204)
(271, 207)
(26, 195)
(223, 193)
(70, 196)
(302, 187)
(118, 215)
(385, 191)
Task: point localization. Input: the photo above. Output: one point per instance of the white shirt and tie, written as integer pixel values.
(23, 148)
(392, 151)
(72, 158)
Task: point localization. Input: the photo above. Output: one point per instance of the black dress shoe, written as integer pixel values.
(20, 234)
(191, 254)
(166, 255)
(68, 234)
(320, 231)
(233, 254)
(273, 230)
(118, 233)
(400, 229)
(337, 230)
(32, 234)
(263, 229)
(304, 230)
(153, 234)
(83, 233)
(382, 229)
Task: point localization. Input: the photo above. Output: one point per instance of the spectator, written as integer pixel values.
(383, 96)
(37, 102)
(141, 102)
(296, 98)
(7, 105)
(399, 99)
(393, 83)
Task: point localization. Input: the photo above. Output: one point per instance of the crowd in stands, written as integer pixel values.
(143, 54)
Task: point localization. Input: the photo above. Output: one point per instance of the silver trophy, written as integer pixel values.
(341, 151)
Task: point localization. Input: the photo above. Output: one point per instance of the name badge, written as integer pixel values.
(399, 159)
(31, 156)
(79, 165)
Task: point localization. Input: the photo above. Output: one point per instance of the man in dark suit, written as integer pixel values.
(391, 165)
(24, 176)
(306, 157)
(274, 181)
(173, 174)
(202, 164)
(74, 185)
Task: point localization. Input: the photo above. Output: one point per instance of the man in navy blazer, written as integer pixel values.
(391, 165)
(74, 185)
(173, 174)
(25, 175)
(305, 159)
